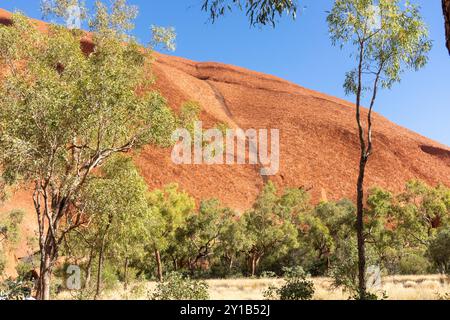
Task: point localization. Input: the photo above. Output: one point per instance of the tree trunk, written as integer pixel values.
(254, 264)
(43, 290)
(446, 9)
(100, 269)
(125, 274)
(159, 272)
(89, 269)
(360, 230)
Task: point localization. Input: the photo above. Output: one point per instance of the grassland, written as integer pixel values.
(427, 287)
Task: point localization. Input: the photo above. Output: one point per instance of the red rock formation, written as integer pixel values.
(318, 135)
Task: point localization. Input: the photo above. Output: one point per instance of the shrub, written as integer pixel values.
(177, 287)
(296, 287)
(2, 262)
(268, 275)
(439, 250)
(15, 290)
(413, 264)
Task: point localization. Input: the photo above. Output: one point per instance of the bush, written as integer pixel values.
(177, 287)
(15, 290)
(268, 275)
(439, 250)
(296, 287)
(413, 264)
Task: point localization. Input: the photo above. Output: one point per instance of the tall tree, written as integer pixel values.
(63, 113)
(259, 12)
(387, 37)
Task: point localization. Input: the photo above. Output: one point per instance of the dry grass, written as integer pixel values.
(427, 287)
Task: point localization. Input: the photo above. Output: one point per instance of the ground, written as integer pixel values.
(427, 287)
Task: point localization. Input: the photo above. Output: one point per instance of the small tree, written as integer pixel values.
(173, 207)
(64, 112)
(387, 37)
(116, 205)
(269, 227)
(203, 230)
(439, 250)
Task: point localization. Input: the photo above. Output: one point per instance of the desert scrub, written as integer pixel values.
(179, 287)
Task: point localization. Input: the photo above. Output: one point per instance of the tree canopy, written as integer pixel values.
(259, 12)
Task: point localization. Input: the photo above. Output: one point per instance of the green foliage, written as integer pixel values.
(344, 271)
(296, 287)
(203, 230)
(65, 112)
(164, 37)
(15, 289)
(9, 227)
(269, 226)
(413, 262)
(439, 250)
(387, 35)
(173, 207)
(115, 206)
(189, 114)
(259, 12)
(24, 267)
(177, 287)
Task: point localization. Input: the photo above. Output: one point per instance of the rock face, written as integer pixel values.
(318, 136)
(319, 147)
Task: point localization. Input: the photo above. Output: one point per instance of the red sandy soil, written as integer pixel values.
(319, 146)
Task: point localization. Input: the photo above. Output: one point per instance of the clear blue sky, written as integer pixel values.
(301, 52)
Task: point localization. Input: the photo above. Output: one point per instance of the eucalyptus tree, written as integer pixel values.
(204, 230)
(116, 204)
(269, 227)
(173, 207)
(387, 37)
(64, 112)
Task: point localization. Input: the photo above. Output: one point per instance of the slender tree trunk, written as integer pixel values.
(230, 266)
(89, 269)
(446, 9)
(159, 272)
(100, 269)
(175, 264)
(125, 274)
(360, 230)
(254, 264)
(360, 183)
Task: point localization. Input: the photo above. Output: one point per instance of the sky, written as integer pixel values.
(299, 51)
